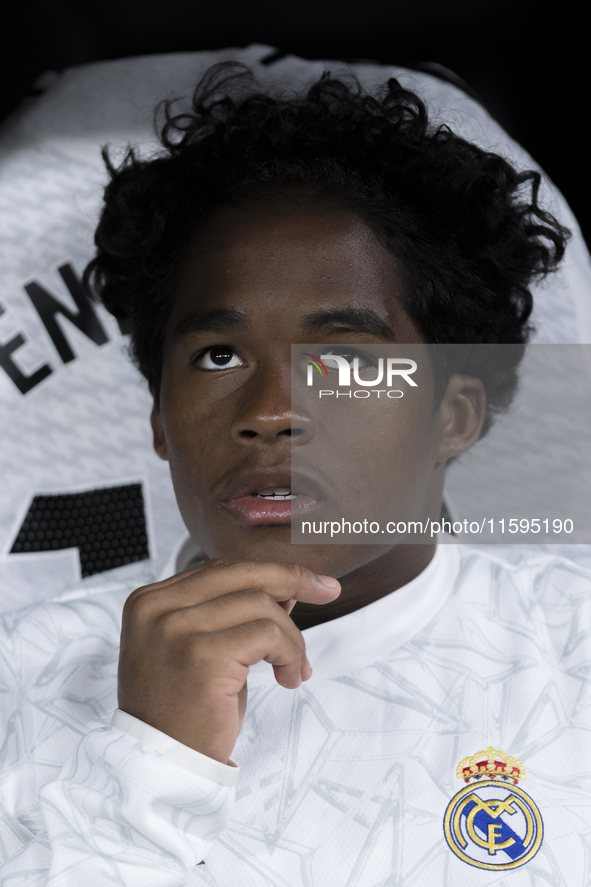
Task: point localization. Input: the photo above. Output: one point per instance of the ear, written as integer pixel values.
(461, 414)
(158, 431)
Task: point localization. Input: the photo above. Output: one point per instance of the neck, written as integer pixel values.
(397, 567)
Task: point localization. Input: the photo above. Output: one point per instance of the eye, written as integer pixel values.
(219, 357)
(350, 354)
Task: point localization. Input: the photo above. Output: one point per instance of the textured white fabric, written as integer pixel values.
(344, 781)
(353, 643)
(175, 752)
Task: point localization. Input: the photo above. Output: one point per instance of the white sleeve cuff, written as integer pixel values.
(176, 752)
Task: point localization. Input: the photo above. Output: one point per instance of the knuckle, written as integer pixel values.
(270, 628)
(137, 594)
(140, 603)
(262, 600)
(220, 563)
(245, 566)
(170, 625)
(297, 571)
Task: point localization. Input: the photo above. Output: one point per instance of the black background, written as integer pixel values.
(521, 60)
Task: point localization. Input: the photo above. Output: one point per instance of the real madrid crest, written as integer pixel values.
(492, 823)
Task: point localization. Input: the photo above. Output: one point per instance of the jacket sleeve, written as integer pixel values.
(131, 807)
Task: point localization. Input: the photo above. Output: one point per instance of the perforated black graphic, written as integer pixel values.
(108, 526)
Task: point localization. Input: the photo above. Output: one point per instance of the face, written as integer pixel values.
(256, 279)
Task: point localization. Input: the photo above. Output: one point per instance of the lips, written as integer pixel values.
(271, 496)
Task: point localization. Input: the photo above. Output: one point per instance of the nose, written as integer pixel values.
(265, 416)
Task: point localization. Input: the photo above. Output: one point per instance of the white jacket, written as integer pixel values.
(349, 780)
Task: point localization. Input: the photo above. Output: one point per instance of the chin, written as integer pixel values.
(273, 544)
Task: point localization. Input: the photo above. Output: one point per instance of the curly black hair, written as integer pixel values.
(465, 226)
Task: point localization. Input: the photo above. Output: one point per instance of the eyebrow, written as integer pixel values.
(358, 320)
(217, 320)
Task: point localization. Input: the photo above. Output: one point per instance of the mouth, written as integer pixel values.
(271, 497)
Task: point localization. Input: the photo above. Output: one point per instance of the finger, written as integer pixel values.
(229, 610)
(283, 582)
(242, 568)
(249, 643)
(176, 577)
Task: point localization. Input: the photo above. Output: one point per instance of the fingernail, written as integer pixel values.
(328, 581)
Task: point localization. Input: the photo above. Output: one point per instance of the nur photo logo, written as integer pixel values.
(388, 372)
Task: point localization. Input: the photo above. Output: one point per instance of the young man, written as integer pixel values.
(377, 676)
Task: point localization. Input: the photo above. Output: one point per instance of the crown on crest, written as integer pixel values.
(491, 764)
